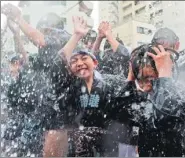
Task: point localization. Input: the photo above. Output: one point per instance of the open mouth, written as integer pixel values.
(82, 71)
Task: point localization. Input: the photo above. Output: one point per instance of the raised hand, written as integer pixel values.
(100, 30)
(105, 29)
(11, 11)
(163, 61)
(80, 26)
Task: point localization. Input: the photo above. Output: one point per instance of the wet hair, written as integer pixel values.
(140, 59)
(165, 36)
(50, 20)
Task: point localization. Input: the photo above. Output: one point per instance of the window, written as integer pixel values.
(143, 30)
(26, 18)
(140, 30)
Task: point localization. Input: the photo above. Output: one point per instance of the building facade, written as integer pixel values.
(144, 15)
(134, 33)
(132, 22)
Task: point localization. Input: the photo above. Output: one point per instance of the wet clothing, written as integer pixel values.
(29, 114)
(115, 63)
(55, 40)
(31, 108)
(159, 116)
(169, 114)
(78, 106)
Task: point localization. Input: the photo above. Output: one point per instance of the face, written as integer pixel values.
(147, 75)
(90, 44)
(83, 66)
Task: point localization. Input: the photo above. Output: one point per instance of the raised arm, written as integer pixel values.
(33, 34)
(19, 48)
(80, 30)
(107, 30)
(168, 100)
(100, 37)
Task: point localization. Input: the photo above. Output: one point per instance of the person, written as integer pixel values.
(18, 59)
(160, 114)
(83, 101)
(89, 39)
(114, 69)
(113, 51)
(167, 38)
(49, 36)
(29, 115)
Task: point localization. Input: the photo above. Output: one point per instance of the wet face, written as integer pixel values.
(146, 75)
(83, 66)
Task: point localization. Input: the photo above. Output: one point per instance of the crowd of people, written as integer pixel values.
(73, 99)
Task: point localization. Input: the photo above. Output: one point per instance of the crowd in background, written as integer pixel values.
(73, 99)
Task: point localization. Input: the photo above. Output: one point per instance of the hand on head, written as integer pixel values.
(163, 61)
(130, 74)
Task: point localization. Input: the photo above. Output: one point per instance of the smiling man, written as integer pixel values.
(83, 99)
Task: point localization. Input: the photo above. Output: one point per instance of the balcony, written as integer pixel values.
(127, 7)
(140, 11)
(127, 17)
